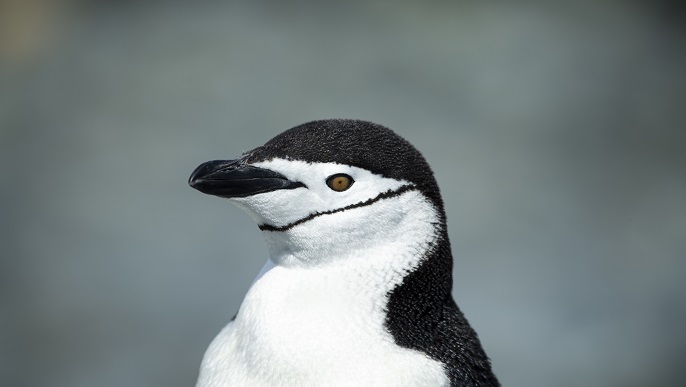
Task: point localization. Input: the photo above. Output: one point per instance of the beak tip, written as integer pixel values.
(197, 175)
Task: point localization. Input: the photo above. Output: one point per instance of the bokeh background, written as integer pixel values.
(556, 131)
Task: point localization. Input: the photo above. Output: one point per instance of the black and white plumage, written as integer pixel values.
(357, 287)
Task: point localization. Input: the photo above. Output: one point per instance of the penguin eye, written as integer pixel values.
(339, 182)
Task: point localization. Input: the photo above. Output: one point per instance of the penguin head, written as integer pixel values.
(329, 189)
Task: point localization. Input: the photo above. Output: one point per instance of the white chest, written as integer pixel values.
(316, 330)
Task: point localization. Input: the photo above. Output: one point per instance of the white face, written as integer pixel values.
(334, 230)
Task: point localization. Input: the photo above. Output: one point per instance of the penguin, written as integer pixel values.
(357, 289)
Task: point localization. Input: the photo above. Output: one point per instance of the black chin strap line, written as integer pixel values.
(384, 195)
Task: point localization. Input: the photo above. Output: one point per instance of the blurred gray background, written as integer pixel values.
(556, 131)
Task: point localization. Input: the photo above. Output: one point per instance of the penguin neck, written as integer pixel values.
(368, 255)
(367, 250)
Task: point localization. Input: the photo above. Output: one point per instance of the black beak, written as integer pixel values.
(236, 179)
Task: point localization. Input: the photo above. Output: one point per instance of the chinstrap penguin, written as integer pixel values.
(357, 287)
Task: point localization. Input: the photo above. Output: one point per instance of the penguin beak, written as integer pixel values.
(236, 179)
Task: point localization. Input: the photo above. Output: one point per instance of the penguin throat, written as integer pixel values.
(404, 223)
(381, 196)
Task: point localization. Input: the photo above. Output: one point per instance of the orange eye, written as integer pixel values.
(339, 182)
